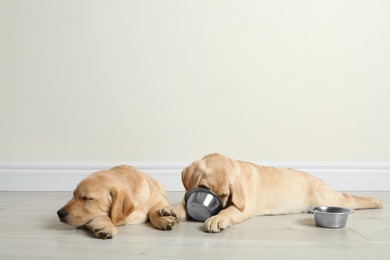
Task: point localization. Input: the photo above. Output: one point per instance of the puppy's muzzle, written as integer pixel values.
(62, 213)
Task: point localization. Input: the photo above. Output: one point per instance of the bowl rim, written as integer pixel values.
(189, 193)
(346, 212)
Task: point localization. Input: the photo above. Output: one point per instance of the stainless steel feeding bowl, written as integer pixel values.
(202, 203)
(331, 217)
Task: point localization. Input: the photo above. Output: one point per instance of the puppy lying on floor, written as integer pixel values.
(119, 196)
(247, 189)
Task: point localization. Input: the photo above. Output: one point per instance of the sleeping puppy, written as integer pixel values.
(119, 196)
(247, 189)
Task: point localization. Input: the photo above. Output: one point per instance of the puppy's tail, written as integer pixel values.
(325, 196)
(356, 202)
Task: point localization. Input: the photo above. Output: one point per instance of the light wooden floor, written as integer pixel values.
(30, 230)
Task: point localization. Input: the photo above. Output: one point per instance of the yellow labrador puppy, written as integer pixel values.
(119, 196)
(247, 189)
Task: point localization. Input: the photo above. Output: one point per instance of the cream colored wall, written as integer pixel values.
(170, 81)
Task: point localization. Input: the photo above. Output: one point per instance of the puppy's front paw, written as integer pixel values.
(216, 224)
(165, 218)
(104, 230)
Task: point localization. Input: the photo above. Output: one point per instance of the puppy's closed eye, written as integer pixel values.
(86, 198)
(223, 195)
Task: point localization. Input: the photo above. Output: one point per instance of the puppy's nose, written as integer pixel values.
(62, 213)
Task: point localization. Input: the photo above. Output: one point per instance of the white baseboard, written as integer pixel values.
(65, 176)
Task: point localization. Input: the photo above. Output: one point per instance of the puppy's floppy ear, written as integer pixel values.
(190, 177)
(237, 195)
(121, 206)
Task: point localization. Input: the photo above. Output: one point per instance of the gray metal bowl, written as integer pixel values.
(331, 217)
(202, 203)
